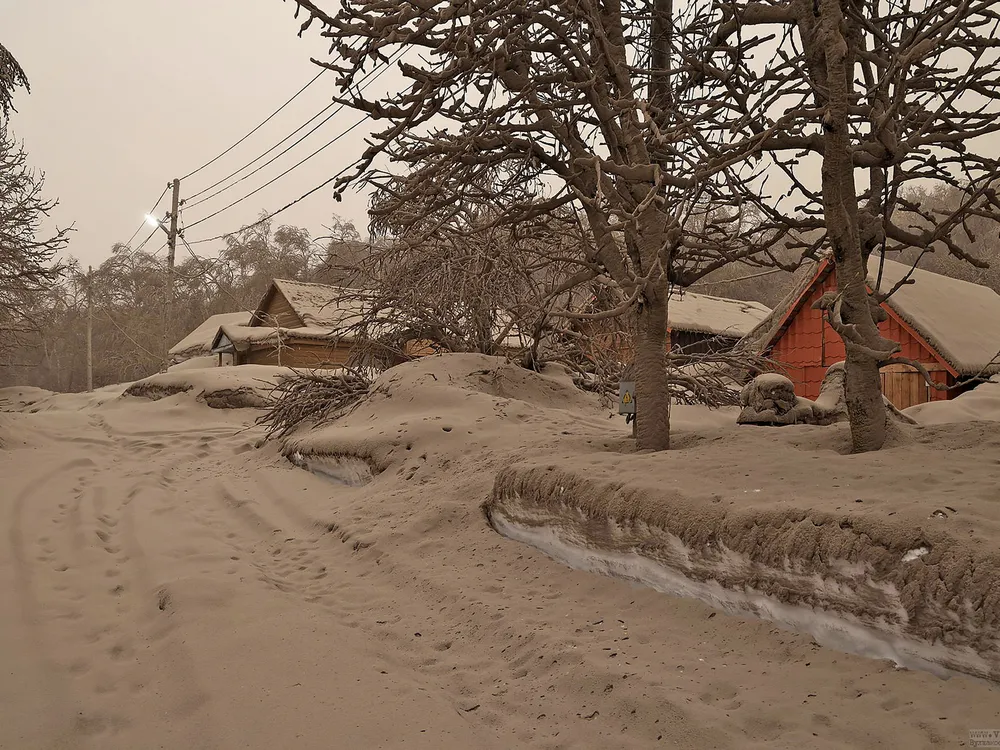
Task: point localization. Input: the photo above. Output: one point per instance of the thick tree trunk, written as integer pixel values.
(652, 399)
(865, 410)
(863, 389)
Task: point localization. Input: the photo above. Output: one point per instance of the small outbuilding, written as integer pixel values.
(702, 323)
(199, 342)
(951, 327)
(696, 324)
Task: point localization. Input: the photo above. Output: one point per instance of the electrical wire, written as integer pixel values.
(275, 179)
(250, 163)
(205, 267)
(271, 215)
(150, 211)
(262, 166)
(365, 81)
(107, 314)
(394, 58)
(144, 242)
(262, 124)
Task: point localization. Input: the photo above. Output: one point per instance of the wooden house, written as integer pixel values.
(296, 324)
(952, 327)
(199, 342)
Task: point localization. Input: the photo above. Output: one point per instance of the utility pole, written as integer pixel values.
(171, 255)
(90, 330)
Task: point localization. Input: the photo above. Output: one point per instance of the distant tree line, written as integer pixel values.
(128, 291)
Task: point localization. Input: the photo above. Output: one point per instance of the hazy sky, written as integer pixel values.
(128, 94)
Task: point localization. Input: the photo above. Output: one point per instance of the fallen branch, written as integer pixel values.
(310, 397)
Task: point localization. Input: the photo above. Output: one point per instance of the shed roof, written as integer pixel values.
(243, 337)
(703, 313)
(199, 341)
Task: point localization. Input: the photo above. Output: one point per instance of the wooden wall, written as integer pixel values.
(302, 353)
(278, 313)
(693, 342)
(809, 346)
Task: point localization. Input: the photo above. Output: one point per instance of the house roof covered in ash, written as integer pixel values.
(241, 338)
(958, 319)
(961, 320)
(199, 341)
(719, 316)
(316, 305)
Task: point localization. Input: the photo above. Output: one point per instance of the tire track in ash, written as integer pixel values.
(168, 672)
(425, 618)
(48, 552)
(107, 644)
(321, 563)
(137, 657)
(281, 556)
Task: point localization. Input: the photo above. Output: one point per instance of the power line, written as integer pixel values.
(262, 124)
(739, 278)
(124, 333)
(144, 242)
(236, 172)
(150, 211)
(280, 210)
(262, 166)
(275, 179)
(367, 80)
(205, 266)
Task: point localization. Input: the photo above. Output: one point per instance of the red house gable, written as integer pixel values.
(805, 345)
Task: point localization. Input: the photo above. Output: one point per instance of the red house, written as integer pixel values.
(952, 327)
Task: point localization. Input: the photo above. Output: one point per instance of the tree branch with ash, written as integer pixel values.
(539, 108)
(859, 107)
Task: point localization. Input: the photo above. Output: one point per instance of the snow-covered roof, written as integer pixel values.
(320, 305)
(703, 313)
(961, 320)
(329, 312)
(199, 341)
(243, 337)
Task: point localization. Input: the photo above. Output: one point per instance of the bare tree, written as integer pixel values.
(11, 78)
(457, 279)
(345, 255)
(27, 267)
(537, 107)
(850, 104)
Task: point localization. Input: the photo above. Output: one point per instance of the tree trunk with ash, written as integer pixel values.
(652, 393)
(833, 55)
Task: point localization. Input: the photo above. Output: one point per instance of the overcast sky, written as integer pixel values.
(128, 94)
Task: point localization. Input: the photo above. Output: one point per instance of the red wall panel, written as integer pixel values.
(809, 346)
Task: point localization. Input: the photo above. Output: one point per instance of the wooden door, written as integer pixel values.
(904, 386)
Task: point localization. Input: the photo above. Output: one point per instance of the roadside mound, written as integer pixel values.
(455, 406)
(891, 555)
(33, 400)
(18, 398)
(245, 386)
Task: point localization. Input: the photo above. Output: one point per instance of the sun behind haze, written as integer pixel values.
(126, 96)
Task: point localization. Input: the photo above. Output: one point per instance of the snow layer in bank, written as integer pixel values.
(837, 630)
(350, 471)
